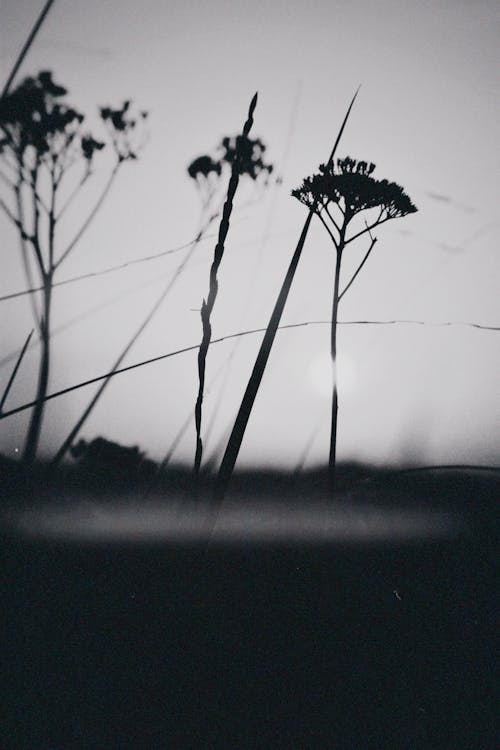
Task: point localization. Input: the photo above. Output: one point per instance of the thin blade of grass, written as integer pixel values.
(24, 51)
(228, 337)
(16, 368)
(208, 304)
(238, 431)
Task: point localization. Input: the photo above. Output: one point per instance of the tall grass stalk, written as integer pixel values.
(208, 304)
(238, 431)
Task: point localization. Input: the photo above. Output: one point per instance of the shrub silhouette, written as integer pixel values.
(106, 458)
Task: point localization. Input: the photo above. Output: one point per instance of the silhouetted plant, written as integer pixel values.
(248, 400)
(244, 158)
(250, 152)
(207, 171)
(337, 195)
(207, 174)
(42, 142)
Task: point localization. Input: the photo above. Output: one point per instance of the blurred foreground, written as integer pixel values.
(305, 623)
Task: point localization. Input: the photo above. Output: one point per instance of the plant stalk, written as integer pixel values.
(333, 352)
(208, 304)
(238, 431)
(33, 435)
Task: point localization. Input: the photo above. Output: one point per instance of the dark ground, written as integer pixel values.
(294, 647)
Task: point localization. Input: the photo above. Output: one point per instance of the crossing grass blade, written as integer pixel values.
(238, 431)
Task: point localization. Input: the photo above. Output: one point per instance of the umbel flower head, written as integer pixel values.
(251, 153)
(126, 130)
(350, 185)
(33, 116)
(203, 166)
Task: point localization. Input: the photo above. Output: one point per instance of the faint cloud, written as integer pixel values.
(453, 203)
(439, 197)
(464, 245)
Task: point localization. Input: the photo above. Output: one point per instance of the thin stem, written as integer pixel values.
(52, 219)
(250, 332)
(74, 193)
(35, 425)
(238, 431)
(318, 213)
(13, 219)
(184, 427)
(91, 216)
(325, 206)
(7, 181)
(374, 239)
(14, 371)
(36, 211)
(24, 252)
(376, 223)
(208, 304)
(90, 407)
(20, 171)
(333, 352)
(25, 48)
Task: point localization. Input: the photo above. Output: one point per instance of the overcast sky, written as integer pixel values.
(427, 115)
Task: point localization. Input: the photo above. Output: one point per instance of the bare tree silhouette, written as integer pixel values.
(42, 147)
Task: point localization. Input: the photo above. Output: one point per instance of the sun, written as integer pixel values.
(320, 374)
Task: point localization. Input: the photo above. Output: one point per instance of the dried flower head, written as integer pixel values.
(251, 153)
(203, 167)
(351, 186)
(89, 146)
(127, 138)
(33, 117)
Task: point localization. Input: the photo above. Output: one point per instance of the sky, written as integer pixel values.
(427, 114)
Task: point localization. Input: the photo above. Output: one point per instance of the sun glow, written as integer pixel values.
(321, 371)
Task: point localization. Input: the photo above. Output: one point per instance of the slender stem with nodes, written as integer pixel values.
(208, 304)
